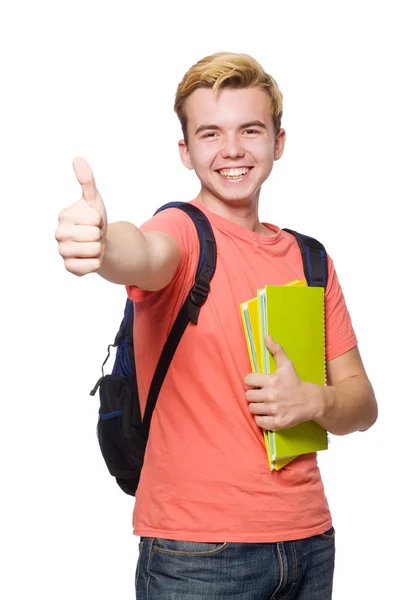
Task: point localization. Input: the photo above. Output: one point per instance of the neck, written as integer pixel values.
(243, 212)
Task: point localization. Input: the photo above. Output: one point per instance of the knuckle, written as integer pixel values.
(96, 249)
(62, 215)
(97, 234)
(60, 234)
(278, 423)
(96, 264)
(271, 395)
(70, 267)
(67, 213)
(62, 249)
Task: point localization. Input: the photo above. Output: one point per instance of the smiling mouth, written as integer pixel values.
(235, 174)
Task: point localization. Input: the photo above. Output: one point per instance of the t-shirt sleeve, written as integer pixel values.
(177, 224)
(339, 333)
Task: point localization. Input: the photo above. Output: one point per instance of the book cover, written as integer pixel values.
(251, 323)
(294, 317)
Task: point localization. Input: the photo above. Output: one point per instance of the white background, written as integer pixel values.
(97, 79)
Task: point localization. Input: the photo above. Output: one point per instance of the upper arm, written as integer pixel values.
(172, 251)
(340, 336)
(164, 256)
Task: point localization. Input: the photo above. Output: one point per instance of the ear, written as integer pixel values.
(279, 144)
(185, 154)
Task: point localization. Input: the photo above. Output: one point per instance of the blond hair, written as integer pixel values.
(228, 70)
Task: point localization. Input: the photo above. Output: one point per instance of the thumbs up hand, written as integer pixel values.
(83, 225)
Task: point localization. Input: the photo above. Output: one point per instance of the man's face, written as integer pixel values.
(231, 142)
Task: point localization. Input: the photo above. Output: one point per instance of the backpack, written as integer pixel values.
(121, 431)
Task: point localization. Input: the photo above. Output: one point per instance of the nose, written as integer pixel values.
(232, 147)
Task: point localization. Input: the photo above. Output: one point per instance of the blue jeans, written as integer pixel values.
(176, 570)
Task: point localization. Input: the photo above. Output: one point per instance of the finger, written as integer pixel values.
(276, 350)
(267, 423)
(79, 250)
(79, 233)
(82, 266)
(257, 379)
(85, 177)
(88, 216)
(271, 344)
(262, 409)
(259, 394)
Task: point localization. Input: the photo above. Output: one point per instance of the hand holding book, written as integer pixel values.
(280, 399)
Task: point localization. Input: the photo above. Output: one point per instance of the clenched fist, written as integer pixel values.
(82, 226)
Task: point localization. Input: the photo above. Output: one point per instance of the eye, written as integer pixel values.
(209, 134)
(251, 131)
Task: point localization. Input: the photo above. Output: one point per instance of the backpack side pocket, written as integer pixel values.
(119, 431)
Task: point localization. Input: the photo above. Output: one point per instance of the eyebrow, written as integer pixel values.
(242, 126)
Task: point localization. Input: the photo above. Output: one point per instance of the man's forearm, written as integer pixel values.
(345, 407)
(126, 254)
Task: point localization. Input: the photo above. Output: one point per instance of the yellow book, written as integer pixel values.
(298, 283)
(294, 317)
(250, 317)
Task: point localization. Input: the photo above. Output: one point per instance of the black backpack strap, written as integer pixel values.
(191, 307)
(314, 257)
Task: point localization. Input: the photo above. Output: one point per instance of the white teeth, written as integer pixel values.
(233, 172)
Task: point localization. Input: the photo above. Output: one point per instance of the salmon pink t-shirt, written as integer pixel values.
(206, 475)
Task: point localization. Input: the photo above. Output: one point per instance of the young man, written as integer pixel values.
(214, 521)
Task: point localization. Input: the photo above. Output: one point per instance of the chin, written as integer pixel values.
(240, 197)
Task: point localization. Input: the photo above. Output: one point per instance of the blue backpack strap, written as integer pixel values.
(207, 256)
(124, 364)
(191, 307)
(314, 257)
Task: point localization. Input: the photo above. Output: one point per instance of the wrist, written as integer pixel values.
(319, 399)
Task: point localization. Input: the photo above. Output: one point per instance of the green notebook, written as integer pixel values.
(294, 317)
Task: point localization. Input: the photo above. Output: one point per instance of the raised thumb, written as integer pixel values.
(85, 177)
